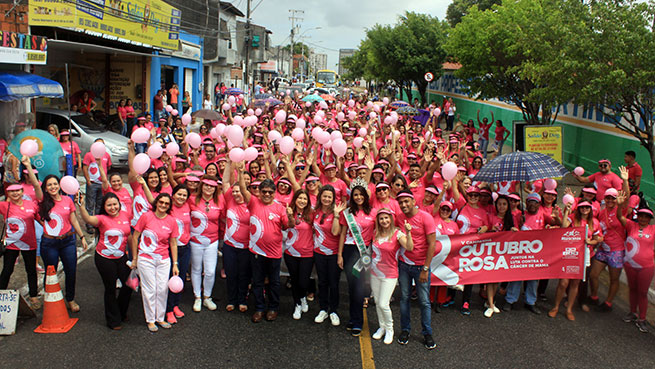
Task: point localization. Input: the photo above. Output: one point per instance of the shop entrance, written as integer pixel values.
(168, 75)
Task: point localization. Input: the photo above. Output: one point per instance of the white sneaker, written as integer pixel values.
(208, 303)
(378, 334)
(320, 318)
(119, 284)
(334, 319)
(303, 305)
(496, 310)
(458, 287)
(489, 312)
(297, 312)
(388, 337)
(197, 305)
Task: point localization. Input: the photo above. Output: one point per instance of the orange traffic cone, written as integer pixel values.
(55, 315)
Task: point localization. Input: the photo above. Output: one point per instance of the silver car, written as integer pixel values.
(85, 131)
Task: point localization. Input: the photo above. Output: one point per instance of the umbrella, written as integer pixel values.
(264, 102)
(407, 110)
(312, 98)
(206, 114)
(520, 166)
(234, 91)
(423, 116)
(398, 104)
(262, 96)
(327, 97)
(17, 85)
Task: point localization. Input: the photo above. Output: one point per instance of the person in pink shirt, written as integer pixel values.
(154, 249)
(65, 142)
(387, 242)
(483, 133)
(60, 225)
(330, 178)
(603, 179)
(382, 198)
(93, 181)
(268, 218)
(634, 171)
(181, 212)
(111, 256)
(114, 184)
(501, 134)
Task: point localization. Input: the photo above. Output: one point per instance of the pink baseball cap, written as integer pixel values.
(446, 204)
(381, 185)
(604, 161)
(330, 166)
(14, 187)
(432, 190)
(612, 192)
(590, 190)
(640, 211)
(210, 182)
(552, 192)
(192, 179)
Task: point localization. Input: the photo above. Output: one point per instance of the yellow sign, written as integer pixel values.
(150, 22)
(544, 139)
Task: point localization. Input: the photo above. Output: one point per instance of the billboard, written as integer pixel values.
(17, 48)
(544, 139)
(149, 22)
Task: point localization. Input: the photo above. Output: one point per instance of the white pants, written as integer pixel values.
(203, 257)
(154, 287)
(382, 289)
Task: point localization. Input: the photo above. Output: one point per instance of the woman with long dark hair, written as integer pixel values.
(111, 255)
(181, 212)
(299, 251)
(501, 221)
(57, 214)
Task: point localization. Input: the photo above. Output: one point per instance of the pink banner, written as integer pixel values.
(508, 256)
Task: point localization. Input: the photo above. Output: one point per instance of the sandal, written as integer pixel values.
(570, 316)
(152, 327)
(36, 303)
(365, 302)
(229, 308)
(553, 312)
(243, 308)
(75, 308)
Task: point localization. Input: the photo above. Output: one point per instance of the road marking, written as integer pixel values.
(365, 347)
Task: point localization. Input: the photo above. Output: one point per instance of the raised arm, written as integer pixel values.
(242, 184)
(32, 178)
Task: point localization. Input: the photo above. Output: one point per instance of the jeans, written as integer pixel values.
(328, 281)
(514, 290)
(183, 258)
(355, 286)
(500, 145)
(141, 148)
(300, 270)
(110, 270)
(29, 258)
(484, 144)
(65, 249)
(93, 199)
(236, 263)
(449, 122)
(263, 267)
(124, 128)
(407, 273)
(159, 114)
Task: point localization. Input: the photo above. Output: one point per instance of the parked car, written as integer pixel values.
(85, 131)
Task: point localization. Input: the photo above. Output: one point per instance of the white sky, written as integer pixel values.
(343, 22)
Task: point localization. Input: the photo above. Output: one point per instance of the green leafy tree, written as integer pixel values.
(459, 8)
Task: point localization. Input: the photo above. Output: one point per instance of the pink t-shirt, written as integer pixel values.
(20, 224)
(66, 147)
(500, 133)
(28, 192)
(639, 245)
(182, 216)
(94, 172)
(59, 223)
(237, 216)
(604, 182)
(114, 232)
(284, 199)
(204, 221)
(340, 187)
(299, 241)
(140, 204)
(155, 235)
(470, 219)
(384, 254)
(366, 224)
(446, 228)
(391, 204)
(422, 225)
(266, 225)
(538, 220)
(613, 230)
(324, 242)
(124, 199)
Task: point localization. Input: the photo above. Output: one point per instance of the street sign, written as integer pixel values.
(8, 311)
(429, 77)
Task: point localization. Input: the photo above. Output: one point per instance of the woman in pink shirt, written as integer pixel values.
(154, 244)
(501, 221)
(111, 255)
(64, 141)
(181, 212)
(384, 267)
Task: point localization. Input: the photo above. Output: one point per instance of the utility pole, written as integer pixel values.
(248, 41)
(293, 19)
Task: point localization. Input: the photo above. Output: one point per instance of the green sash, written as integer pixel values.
(364, 253)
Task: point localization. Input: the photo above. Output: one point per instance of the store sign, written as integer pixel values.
(188, 51)
(236, 73)
(8, 311)
(544, 139)
(17, 48)
(149, 22)
(269, 66)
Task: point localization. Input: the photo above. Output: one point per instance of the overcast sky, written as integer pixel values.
(343, 22)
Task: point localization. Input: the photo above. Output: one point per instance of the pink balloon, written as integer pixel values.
(365, 92)
(225, 107)
(231, 99)
(258, 112)
(568, 199)
(323, 138)
(169, 108)
(298, 134)
(237, 154)
(579, 171)
(155, 151)
(288, 92)
(308, 104)
(172, 148)
(175, 284)
(141, 163)
(436, 112)
(385, 100)
(235, 135)
(373, 115)
(352, 115)
(250, 154)
(362, 132)
(69, 185)
(449, 171)
(369, 104)
(193, 139)
(186, 119)
(274, 136)
(335, 135)
(316, 132)
(280, 117)
(339, 147)
(376, 107)
(286, 145)
(494, 196)
(241, 97)
(239, 121)
(318, 119)
(341, 116)
(388, 120)
(321, 114)
(251, 112)
(141, 135)
(550, 184)
(358, 142)
(252, 120)
(220, 129)
(98, 149)
(174, 112)
(29, 148)
(300, 123)
(351, 103)
(322, 105)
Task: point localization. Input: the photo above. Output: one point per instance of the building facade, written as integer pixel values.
(344, 53)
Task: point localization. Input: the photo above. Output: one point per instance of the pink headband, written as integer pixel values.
(405, 194)
(210, 182)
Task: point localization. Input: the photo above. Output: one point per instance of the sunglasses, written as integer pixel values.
(381, 189)
(474, 195)
(398, 185)
(300, 167)
(445, 209)
(603, 165)
(267, 192)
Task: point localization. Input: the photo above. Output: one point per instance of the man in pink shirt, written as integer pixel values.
(603, 179)
(634, 171)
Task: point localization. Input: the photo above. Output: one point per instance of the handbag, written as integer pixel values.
(3, 245)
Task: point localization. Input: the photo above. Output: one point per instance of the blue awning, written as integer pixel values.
(16, 85)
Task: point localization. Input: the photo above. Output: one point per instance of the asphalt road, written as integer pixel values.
(518, 339)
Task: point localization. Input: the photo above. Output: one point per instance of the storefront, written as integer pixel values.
(182, 68)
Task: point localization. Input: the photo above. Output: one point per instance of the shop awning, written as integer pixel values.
(16, 85)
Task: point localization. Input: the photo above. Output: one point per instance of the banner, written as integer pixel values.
(508, 256)
(18, 48)
(150, 22)
(544, 139)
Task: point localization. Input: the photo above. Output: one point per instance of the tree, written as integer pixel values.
(298, 48)
(459, 8)
(515, 52)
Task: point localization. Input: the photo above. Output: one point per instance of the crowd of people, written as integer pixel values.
(371, 211)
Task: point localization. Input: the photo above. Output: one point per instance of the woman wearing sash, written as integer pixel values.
(357, 229)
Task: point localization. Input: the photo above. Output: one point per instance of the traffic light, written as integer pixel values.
(255, 41)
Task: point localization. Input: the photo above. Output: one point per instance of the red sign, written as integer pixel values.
(508, 256)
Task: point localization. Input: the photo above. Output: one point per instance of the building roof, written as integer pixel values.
(229, 7)
(451, 66)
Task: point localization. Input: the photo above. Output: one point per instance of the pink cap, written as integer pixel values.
(383, 211)
(285, 181)
(590, 190)
(362, 167)
(192, 179)
(640, 211)
(330, 166)
(473, 189)
(64, 133)
(405, 194)
(446, 204)
(612, 192)
(378, 170)
(311, 178)
(551, 192)
(210, 182)
(604, 161)
(514, 196)
(584, 203)
(432, 190)
(14, 187)
(381, 185)
(180, 160)
(256, 183)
